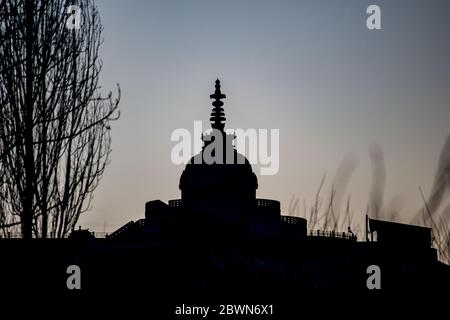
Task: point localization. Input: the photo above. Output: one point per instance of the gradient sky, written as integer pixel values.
(308, 68)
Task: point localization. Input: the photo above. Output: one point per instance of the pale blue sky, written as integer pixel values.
(308, 68)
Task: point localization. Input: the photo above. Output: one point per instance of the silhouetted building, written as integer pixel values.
(220, 238)
(219, 197)
(398, 234)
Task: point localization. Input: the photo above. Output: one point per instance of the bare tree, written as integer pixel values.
(54, 122)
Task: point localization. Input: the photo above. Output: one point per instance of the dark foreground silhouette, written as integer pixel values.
(219, 240)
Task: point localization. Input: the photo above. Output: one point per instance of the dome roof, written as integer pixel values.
(218, 180)
(199, 174)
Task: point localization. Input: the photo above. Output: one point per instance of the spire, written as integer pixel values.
(217, 115)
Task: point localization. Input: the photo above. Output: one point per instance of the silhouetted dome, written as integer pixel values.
(223, 182)
(218, 187)
(221, 179)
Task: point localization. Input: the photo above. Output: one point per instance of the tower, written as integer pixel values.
(220, 186)
(217, 115)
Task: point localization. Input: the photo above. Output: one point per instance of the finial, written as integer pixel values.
(217, 115)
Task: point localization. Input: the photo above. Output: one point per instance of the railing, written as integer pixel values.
(98, 234)
(140, 223)
(261, 203)
(121, 230)
(128, 226)
(332, 234)
(292, 220)
(266, 203)
(175, 203)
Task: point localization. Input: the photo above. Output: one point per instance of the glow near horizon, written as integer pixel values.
(308, 68)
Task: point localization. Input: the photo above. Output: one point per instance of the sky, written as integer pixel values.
(311, 69)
